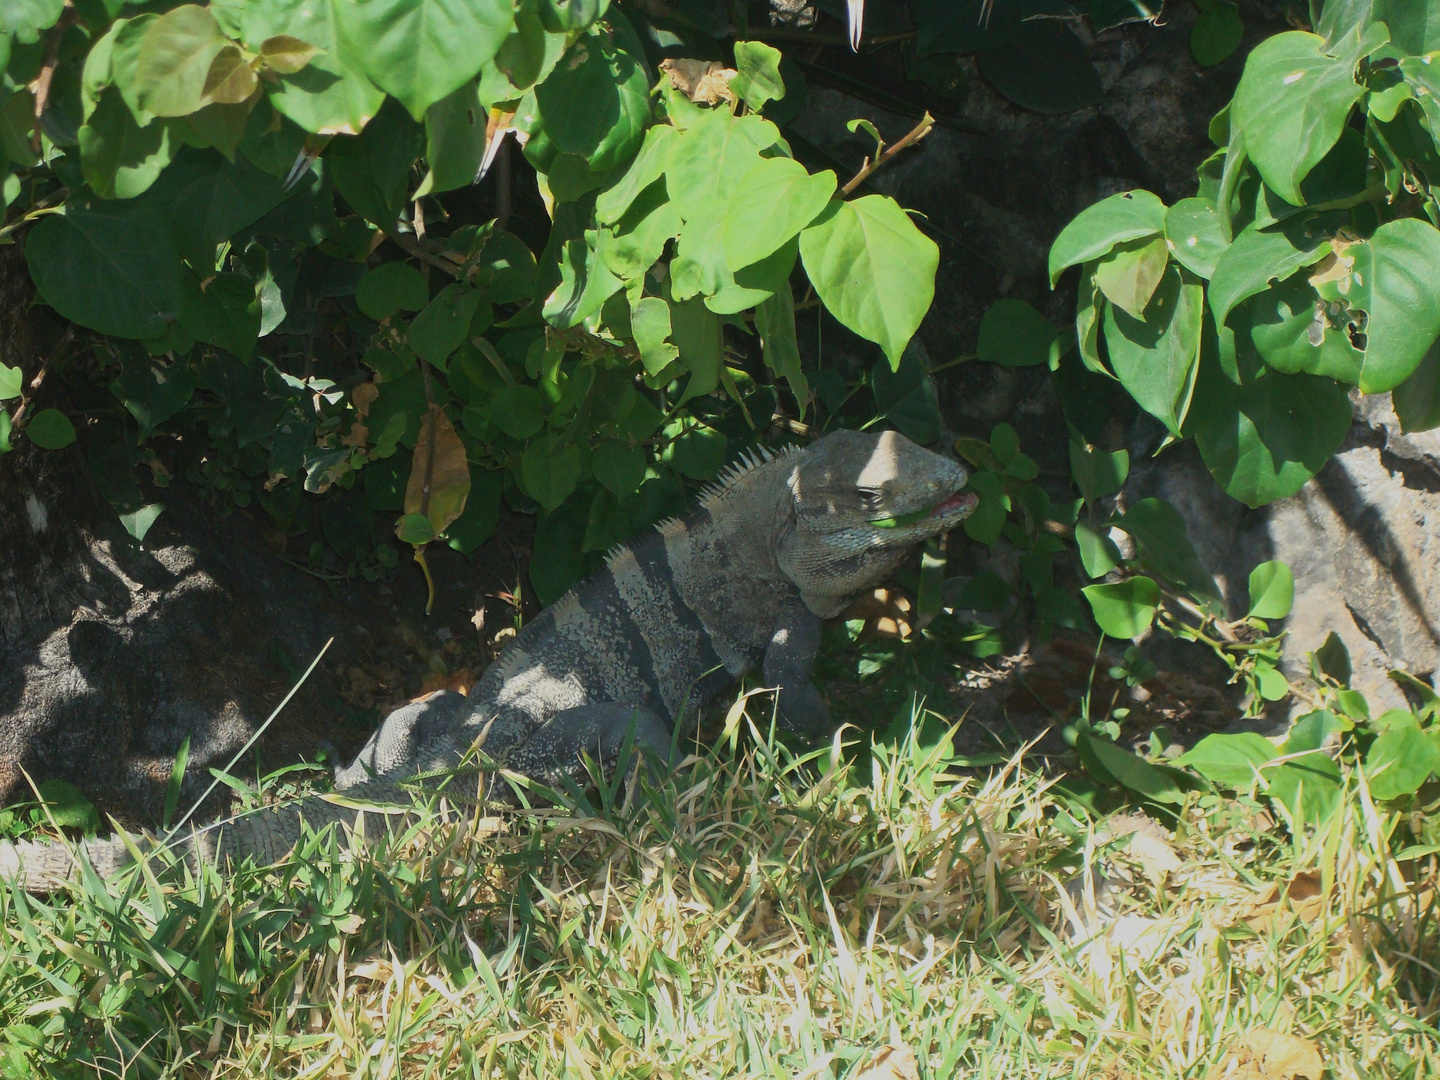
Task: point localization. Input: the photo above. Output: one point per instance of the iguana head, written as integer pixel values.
(859, 503)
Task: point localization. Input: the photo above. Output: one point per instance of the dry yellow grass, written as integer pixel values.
(760, 915)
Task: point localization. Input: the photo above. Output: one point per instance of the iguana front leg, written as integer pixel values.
(788, 660)
(599, 729)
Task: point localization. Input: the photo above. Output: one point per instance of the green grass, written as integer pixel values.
(759, 915)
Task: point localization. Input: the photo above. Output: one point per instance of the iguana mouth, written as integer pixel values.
(961, 500)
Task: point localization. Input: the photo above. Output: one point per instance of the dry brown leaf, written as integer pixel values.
(439, 474)
(1271, 1055)
(702, 81)
(891, 1063)
(1304, 896)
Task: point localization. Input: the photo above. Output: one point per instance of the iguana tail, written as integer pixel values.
(263, 836)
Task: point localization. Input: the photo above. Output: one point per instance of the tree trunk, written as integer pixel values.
(112, 656)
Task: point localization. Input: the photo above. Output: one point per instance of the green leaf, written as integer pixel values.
(1332, 659)
(988, 518)
(618, 467)
(642, 233)
(649, 165)
(1098, 474)
(527, 56)
(1124, 609)
(596, 103)
(1417, 399)
(151, 392)
(1043, 67)
(1216, 34)
(138, 522)
(224, 312)
(699, 264)
(444, 323)
(415, 529)
(11, 382)
(1398, 267)
(1258, 257)
(1272, 590)
(421, 51)
(1164, 546)
(1014, 334)
(1096, 230)
(391, 287)
(1292, 104)
(454, 141)
(173, 65)
(69, 808)
(1262, 441)
(1311, 731)
(5, 430)
(518, 411)
(696, 450)
(650, 323)
(585, 281)
(120, 158)
(571, 15)
(372, 170)
(697, 333)
(50, 429)
(775, 324)
(1294, 334)
(1156, 358)
(1194, 235)
(1098, 553)
(108, 266)
(1270, 683)
(908, 398)
(550, 471)
(25, 19)
(1399, 761)
(1232, 761)
(874, 270)
(1132, 771)
(1130, 273)
(757, 74)
(1308, 788)
(774, 200)
(710, 159)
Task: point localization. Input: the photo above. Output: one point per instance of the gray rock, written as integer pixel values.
(1363, 539)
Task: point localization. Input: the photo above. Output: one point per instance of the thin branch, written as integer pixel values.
(41, 86)
(418, 250)
(915, 134)
(35, 383)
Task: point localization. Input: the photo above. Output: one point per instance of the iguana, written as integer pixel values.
(777, 545)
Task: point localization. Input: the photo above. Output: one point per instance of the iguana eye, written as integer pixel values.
(871, 496)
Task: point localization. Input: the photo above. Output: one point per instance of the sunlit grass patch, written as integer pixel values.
(760, 914)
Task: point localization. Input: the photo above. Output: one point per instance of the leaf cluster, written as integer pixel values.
(1241, 317)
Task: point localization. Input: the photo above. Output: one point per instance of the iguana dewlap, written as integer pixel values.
(776, 546)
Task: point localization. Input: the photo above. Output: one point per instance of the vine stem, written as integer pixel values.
(914, 135)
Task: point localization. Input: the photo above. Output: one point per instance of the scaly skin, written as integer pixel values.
(775, 547)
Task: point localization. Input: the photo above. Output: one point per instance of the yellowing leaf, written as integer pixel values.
(230, 80)
(286, 55)
(439, 473)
